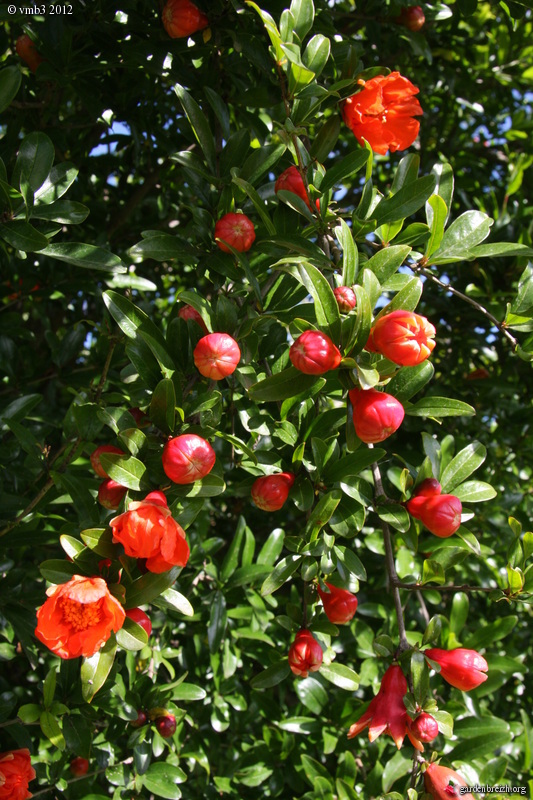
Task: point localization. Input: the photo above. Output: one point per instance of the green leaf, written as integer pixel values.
(163, 779)
(395, 515)
(271, 29)
(406, 299)
(280, 574)
(420, 677)
(475, 492)
(288, 383)
(52, 731)
(316, 54)
(350, 256)
(326, 139)
(524, 297)
(217, 622)
(259, 204)
(95, 670)
(405, 202)
(486, 635)
(34, 161)
(410, 380)
(323, 511)
(65, 211)
(440, 407)
(352, 464)
(10, 79)
(149, 587)
(464, 233)
(352, 562)
(163, 406)
(210, 486)
(395, 768)
(475, 747)
(303, 12)
(199, 125)
(271, 676)
(344, 168)
(271, 548)
(49, 687)
(261, 161)
(170, 598)
(126, 470)
(499, 249)
(341, 676)
(99, 540)
(444, 187)
(437, 214)
(162, 247)
(29, 713)
(433, 572)
(387, 261)
(131, 636)
(23, 236)
(134, 322)
(326, 306)
(85, 255)
(58, 182)
(57, 570)
(463, 465)
(312, 694)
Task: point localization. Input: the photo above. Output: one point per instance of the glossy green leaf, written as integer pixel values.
(271, 676)
(162, 780)
(440, 407)
(464, 233)
(65, 211)
(57, 183)
(259, 204)
(170, 598)
(148, 587)
(126, 470)
(131, 636)
(406, 299)
(348, 559)
(134, 322)
(437, 214)
(344, 169)
(51, 729)
(199, 125)
(352, 464)
(303, 12)
(85, 255)
(217, 622)
(462, 465)
(210, 486)
(288, 383)
(405, 202)
(163, 406)
(341, 676)
(395, 515)
(316, 53)
(280, 574)
(261, 161)
(34, 161)
(486, 635)
(475, 492)
(10, 79)
(350, 256)
(95, 670)
(23, 236)
(387, 261)
(410, 380)
(188, 692)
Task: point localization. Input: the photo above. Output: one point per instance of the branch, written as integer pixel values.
(416, 587)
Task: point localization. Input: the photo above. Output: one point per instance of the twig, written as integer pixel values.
(423, 608)
(415, 587)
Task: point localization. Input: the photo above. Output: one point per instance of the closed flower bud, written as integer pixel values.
(142, 619)
(27, 51)
(236, 230)
(346, 298)
(183, 18)
(188, 458)
(305, 654)
(424, 727)
(270, 492)
(403, 337)
(111, 494)
(79, 766)
(291, 181)
(428, 488)
(412, 17)
(462, 668)
(376, 415)
(166, 726)
(188, 312)
(340, 605)
(440, 514)
(216, 356)
(142, 719)
(16, 772)
(443, 783)
(95, 458)
(313, 353)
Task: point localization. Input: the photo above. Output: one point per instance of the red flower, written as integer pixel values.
(111, 494)
(183, 18)
(382, 113)
(305, 654)
(188, 312)
(188, 458)
(440, 514)
(78, 617)
(79, 766)
(346, 298)
(95, 458)
(403, 337)
(313, 353)
(147, 530)
(28, 52)
(142, 619)
(340, 605)
(412, 17)
(424, 727)
(16, 772)
(386, 712)
(376, 415)
(464, 669)
(216, 356)
(236, 230)
(442, 783)
(291, 181)
(270, 492)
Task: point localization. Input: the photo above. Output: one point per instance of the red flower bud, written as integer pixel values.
(346, 298)
(291, 181)
(95, 458)
(428, 488)
(236, 230)
(314, 353)
(142, 719)
(464, 669)
(27, 51)
(183, 18)
(79, 766)
(440, 514)
(166, 725)
(305, 654)
(216, 356)
(188, 458)
(412, 17)
(403, 337)
(188, 312)
(340, 605)
(443, 783)
(424, 727)
(376, 415)
(270, 492)
(111, 494)
(140, 417)
(478, 374)
(142, 619)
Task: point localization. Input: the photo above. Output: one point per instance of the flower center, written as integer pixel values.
(80, 616)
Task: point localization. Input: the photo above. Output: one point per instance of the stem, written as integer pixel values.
(80, 778)
(415, 587)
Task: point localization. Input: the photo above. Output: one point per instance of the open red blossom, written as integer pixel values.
(78, 617)
(376, 415)
(313, 353)
(188, 458)
(403, 337)
(462, 668)
(346, 298)
(291, 181)
(236, 230)
(443, 783)
(148, 530)
(270, 492)
(16, 772)
(340, 605)
(440, 514)
(216, 356)
(305, 654)
(383, 113)
(188, 312)
(183, 18)
(386, 712)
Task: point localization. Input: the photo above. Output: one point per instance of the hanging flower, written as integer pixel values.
(383, 113)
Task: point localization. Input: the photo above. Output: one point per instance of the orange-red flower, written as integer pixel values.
(78, 617)
(16, 772)
(403, 337)
(147, 530)
(182, 18)
(383, 113)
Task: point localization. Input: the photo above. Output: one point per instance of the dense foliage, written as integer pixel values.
(121, 149)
